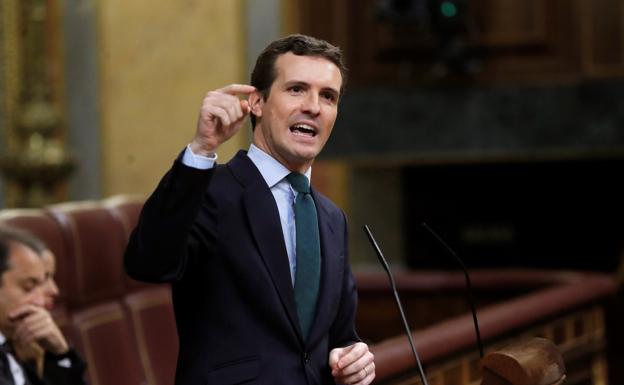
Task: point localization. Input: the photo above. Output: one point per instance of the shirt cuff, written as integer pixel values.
(201, 162)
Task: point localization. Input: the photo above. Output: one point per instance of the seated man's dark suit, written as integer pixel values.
(216, 235)
(66, 369)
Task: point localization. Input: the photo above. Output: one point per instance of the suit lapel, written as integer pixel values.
(6, 375)
(266, 228)
(331, 269)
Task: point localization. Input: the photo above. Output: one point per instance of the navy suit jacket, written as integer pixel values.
(216, 235)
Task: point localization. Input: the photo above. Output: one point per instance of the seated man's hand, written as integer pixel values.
(31, 352)
(34, 324)
(352, 365)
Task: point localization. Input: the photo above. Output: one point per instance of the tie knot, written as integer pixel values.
(299, 182)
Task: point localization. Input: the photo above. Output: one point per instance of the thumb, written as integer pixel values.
(245, 106)
(336, 354)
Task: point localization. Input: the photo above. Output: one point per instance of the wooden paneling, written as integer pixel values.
(528, 41)
(510, 23)
(570, 312)
(603, 38)
(534, 41)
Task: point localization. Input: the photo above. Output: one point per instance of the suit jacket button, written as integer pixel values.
(306, 358)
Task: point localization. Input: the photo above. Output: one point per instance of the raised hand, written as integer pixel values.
(221, 115)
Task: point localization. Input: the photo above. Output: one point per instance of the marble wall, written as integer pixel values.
(155, 65)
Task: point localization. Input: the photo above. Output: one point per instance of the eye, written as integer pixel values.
(330, 96)
(296, 89)
(27, 288)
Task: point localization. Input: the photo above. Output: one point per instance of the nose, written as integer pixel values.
(311, 104)
(53, 289)
(38, 300)
(50, 292)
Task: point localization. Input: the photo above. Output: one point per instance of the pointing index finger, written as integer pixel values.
(237, 89)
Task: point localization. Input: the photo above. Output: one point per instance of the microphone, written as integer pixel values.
(468, 285)
(423, 378)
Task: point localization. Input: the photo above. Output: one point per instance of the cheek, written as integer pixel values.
(5, 306)
(33, 297)
(286, 109)
(329, 123)
(330, 115)
(10, 299)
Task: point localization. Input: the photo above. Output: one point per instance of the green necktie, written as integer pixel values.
(308, 249)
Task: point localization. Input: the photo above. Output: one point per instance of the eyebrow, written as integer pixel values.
(296, 83)
(32, 280)
(304, 83)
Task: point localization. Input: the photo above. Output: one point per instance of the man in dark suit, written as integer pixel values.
(262, 289)
(32, 347)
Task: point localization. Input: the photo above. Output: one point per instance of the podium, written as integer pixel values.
(567, 308)
(534, 362)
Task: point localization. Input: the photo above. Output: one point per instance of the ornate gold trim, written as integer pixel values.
(35, 163)
(10, 65)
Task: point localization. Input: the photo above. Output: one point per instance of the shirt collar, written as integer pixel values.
(2, 338)
(272, 171)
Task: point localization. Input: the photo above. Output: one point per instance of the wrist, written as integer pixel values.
(202, 149)
(59, 348)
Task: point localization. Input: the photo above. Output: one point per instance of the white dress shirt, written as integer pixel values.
(16, 368)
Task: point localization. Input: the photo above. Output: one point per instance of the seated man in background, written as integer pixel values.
(32, 347)
(33, 352)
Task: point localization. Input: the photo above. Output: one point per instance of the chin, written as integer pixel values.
(303, 159)
(306, 154)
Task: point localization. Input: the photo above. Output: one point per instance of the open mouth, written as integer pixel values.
(303, 129)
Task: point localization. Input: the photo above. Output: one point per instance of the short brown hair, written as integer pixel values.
(263, 74)
(12, 235)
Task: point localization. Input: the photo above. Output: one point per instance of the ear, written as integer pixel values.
(256, 102)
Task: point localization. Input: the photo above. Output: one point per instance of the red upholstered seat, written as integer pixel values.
(105, 338)
(125, 209)
(152, 316)
(95, 245)
(89, 239)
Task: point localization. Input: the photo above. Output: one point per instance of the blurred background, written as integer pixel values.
(499, 123)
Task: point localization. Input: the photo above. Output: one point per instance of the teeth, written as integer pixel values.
(303, 129)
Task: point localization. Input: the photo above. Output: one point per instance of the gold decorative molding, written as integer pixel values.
(10, 66)
(36, 162)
